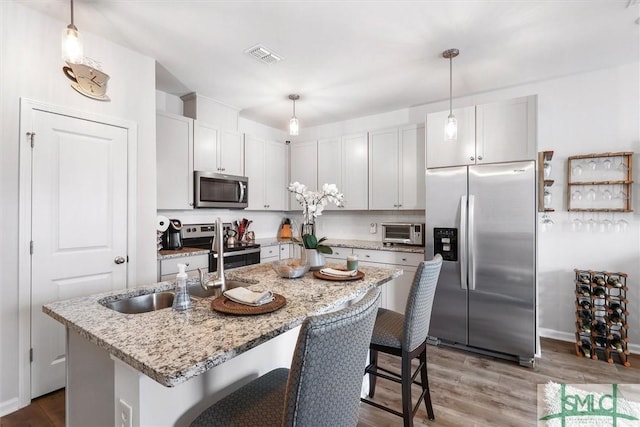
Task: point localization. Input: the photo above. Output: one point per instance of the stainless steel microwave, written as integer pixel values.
(406, 234)
(216, 190)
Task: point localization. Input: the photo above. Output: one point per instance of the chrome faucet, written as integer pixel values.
(218, 245)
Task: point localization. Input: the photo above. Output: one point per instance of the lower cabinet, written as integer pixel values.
(395, 292)
(168, 268)
(269, 253)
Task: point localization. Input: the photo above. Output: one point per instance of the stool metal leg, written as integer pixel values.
(373, 360)
(425, 385)
(407, 410)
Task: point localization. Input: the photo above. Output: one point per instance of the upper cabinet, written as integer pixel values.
(343, 161)
(304, 167)
(502, 131)
(266, 168)
(217, 150)
(174, 161)
(396, 168)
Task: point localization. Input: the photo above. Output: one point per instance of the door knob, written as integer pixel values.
(119, 260)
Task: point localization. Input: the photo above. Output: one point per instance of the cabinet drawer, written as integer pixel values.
(269, 253)
(389, 257)
(170, 266)
(339, 253)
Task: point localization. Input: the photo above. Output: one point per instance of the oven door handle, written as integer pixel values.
(236, 253)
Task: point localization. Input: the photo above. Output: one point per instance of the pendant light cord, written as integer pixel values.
(72, 13)
(450, 85)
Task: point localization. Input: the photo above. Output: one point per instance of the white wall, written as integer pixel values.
(31, 67)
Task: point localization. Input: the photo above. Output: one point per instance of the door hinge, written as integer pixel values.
(30, 135)
(30, 355)
(31, 247)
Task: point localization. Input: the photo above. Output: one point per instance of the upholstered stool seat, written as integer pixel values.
(405, 336)
(324, 383)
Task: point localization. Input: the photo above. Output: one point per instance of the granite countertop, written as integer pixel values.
(167, 254)
(172, 347)
(356, 244)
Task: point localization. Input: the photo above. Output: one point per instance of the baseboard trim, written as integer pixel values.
(9, 406)
(570, 337)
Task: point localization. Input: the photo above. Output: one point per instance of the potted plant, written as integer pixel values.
(313, 203)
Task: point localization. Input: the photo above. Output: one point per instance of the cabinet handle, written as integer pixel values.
(471, 158)
(367, 256)
(404, 259)
(223, 169)
(479, 157)
(400, 205)
(191, 204)
(395, 206)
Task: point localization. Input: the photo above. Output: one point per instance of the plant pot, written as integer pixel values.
(315, 259)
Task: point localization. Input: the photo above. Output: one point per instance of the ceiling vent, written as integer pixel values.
(263, 54)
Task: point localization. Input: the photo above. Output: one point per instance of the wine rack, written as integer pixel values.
(601, 316)
(544, 168)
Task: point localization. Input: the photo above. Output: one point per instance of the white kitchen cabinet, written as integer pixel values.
(355, 172)
(269, 253)
(396, 168)
(344, 161)
(506, 130)
(216, 150)
(174, 161)
(330, 164)
(395, 292)
(303, 158)
(285, 250)
(266, 168)
(168, 268)
(442, 153)
(502, 131)
(339, 254)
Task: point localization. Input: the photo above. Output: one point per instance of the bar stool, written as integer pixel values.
(405, 336)
(324, 383)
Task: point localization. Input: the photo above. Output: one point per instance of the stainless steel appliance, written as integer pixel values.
(402, 233)
(482, 219)
(203, 235)
(216, 190)
(171, 239)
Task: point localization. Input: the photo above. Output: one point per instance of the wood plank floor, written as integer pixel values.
(466, 389)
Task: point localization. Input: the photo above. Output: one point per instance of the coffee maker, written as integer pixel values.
(172, 238)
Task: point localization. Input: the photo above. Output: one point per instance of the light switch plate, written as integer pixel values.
(373, 228)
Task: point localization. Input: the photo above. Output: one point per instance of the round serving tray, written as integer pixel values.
(359, 275)
(223, 304)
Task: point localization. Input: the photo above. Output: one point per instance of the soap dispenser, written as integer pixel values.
(181, 301)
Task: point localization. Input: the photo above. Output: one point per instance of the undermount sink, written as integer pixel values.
(142, 303)
(196, 290)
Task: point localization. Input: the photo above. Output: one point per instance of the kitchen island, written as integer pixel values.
(164, 367)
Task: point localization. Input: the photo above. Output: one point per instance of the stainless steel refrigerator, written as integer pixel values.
(482, 219)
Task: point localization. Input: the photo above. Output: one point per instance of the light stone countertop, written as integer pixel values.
(355, 244)
(168, 254)
(172, 347)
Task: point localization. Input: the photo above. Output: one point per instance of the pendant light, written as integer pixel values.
(71, 43)
(451, 127)
(294, 125)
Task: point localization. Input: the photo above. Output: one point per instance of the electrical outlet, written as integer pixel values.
(373, 228)
(126, 414)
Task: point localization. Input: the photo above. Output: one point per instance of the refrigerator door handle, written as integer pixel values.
(463, 242)
(471, 240)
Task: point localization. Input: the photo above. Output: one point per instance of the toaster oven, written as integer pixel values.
(403, 233)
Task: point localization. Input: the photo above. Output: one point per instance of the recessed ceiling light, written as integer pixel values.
(263, 54)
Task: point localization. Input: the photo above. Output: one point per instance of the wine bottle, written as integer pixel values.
(585, 290)
(585, 304)
(600, 341)
(601, 328)
(584, 278)
(586, 316)
(616, 344)
(598, 279)
(615, 307)
(585, 328)
(615, 281)
(600, 292)
(585, 345)
(615, 319)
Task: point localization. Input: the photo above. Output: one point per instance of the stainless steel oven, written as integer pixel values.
(216, 190)
(202, 236)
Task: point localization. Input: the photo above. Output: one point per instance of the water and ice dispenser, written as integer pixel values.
(445, 243)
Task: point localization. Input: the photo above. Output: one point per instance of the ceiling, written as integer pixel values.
(348, 59)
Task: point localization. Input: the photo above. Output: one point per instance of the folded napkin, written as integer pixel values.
(338, 273)
(247, 297)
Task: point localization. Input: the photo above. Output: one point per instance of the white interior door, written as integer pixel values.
(79, 227)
